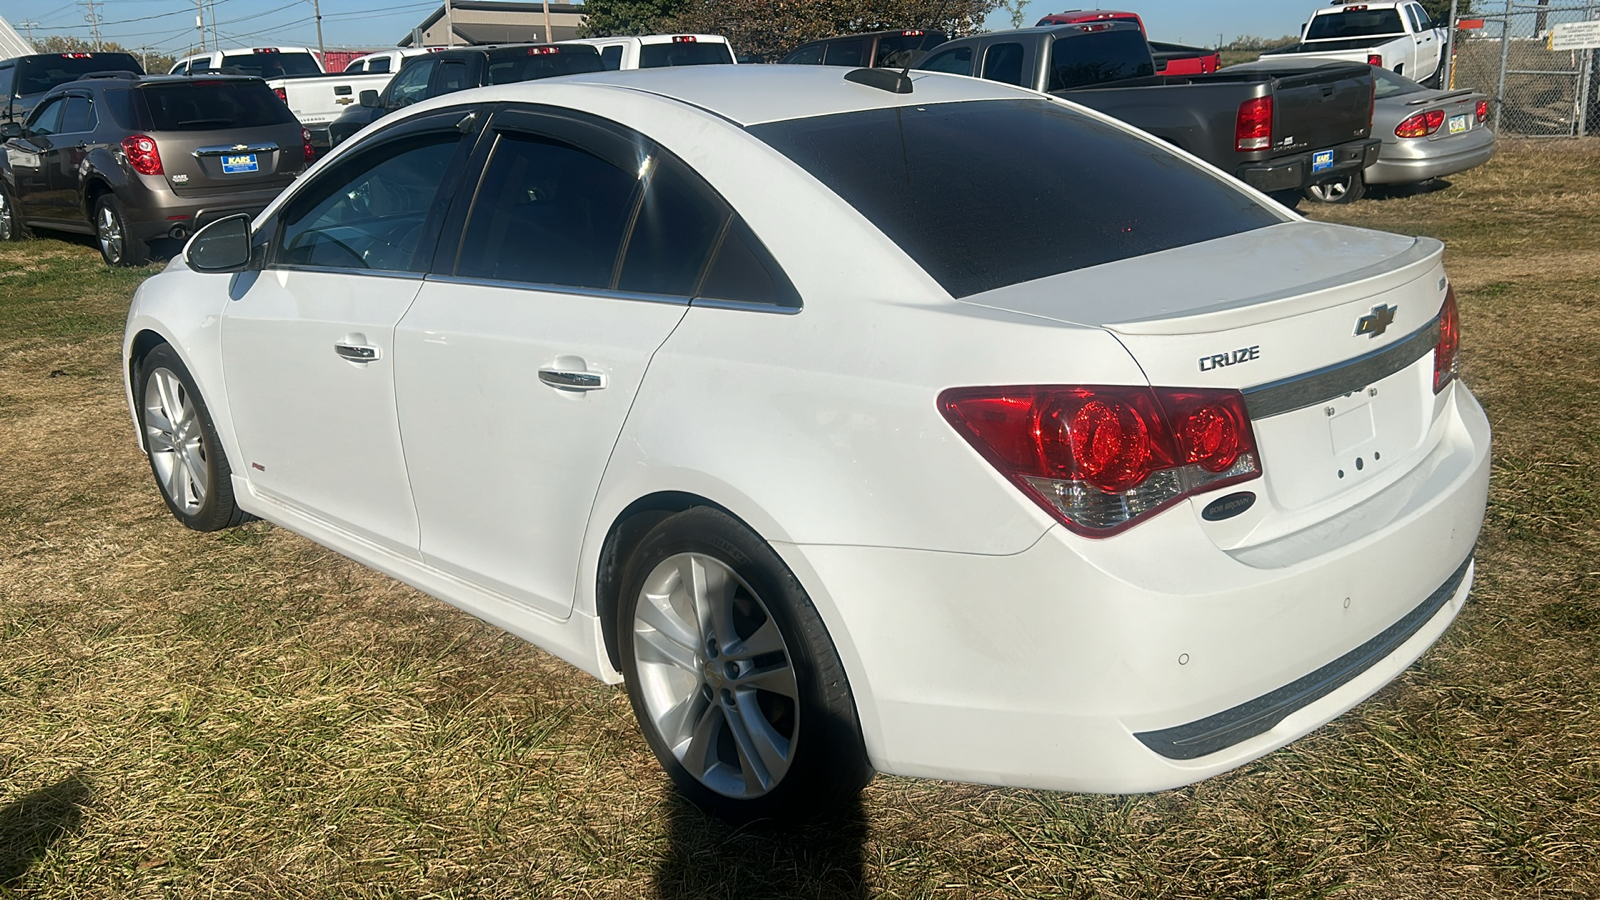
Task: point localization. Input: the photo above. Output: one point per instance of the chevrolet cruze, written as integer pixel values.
(857, 422)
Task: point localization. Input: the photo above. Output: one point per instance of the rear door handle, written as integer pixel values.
(568, 379)
(357, 352)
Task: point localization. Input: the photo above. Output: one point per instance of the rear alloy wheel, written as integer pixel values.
(10, 223)
(1341, 190)
(185, 454)
(118, 246)
(736, 685)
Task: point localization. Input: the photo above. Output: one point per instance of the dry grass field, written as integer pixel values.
(247, 714)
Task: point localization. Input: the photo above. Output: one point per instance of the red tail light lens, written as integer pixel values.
(1444, 353)
(1483, 111)
(305, 146)
(282, 95)
(1253, 129)
(142, 153)
(685, 39)
(1101, 458)
(1374, 59)
(1420, 125)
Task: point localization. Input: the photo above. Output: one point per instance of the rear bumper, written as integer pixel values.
(1149, 660)
(1294, 173)
(160, 213)
(1407, 162)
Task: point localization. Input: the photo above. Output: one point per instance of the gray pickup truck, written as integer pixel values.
(1279, 133)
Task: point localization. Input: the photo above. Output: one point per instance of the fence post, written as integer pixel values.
(1448, 79)
(1505, 63)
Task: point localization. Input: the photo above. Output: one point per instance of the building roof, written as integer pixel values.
(468, 21)
(11, 43)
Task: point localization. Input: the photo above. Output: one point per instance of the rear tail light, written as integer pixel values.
(1420, 125)
(1374, 59)
(1445, 352)
(142, 153)
(543, 51)
(1101, 458)
(305, 146)
(282, 95)
(685, 39)
(1483, 111)
(1253, 129)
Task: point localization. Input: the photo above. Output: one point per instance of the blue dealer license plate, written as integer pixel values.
(244, 162)
(1322, 160)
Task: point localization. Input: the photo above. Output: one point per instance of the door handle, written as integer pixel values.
(357, 352)
(571, 380)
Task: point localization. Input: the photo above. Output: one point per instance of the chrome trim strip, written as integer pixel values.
(603, 293)
(335, 270)
(1339, 379)
(226, 149)
(745, 306)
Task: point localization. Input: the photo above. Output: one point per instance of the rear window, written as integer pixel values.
(40, 75)
(684, 53)
(205, 105)
(1391, 85)
(900, 51)
(1077, 60)
(269, 65)
(1351, 23)
(986, 194)
(526, 66)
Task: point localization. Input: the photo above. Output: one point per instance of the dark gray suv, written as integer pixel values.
(133, 159)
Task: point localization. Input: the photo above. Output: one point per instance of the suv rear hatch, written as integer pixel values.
(217, 135)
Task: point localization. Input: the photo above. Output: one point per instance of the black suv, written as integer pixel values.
(423, 77)
(25, 79)
(132, 159)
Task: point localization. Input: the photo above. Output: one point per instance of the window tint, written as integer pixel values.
(672, 235)
(547, 213)
(809, 55)
(7, 80)
(1388, 84)
(846, 53)
(1082, 59)
(41, 75)
(1355, 21)
(897, 51)
(118, 103)
(270, 65)
(47, 118)
(743, 271)
(411, 84)
(1003, 63)
(78, 118)
(956, 62)
(378, 66)
(611, 57)
(208, 105)
(986, 194)
(529, 65)
(684, 53)
(369, 213)
(451, 77)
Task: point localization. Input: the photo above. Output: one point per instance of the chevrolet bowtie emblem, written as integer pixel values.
(240, 148)
(1377, 322)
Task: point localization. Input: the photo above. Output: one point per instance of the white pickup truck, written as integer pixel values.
(1398, 36)
(295, 74)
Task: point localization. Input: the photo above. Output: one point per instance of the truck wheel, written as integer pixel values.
(1341, 190)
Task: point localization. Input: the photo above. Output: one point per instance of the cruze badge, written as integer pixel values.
(1377, 322)
(1231, 358)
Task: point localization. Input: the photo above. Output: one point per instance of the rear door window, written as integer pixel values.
(1003, 63)
(378, 66)
(898, 51)
(957, 61)
(1079, 60)
(673, 233)
(611, 57)
(78, 117)
(7, 81)
(809, 55)
(451, 77)
(206, 105)
(846, 53)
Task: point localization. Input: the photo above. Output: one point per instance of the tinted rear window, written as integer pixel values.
(987, 194)
(1355, 23)
(1077, 60)
(522, 66)
(205, 105)
(40, 75)
(269, 65)
(710, 53)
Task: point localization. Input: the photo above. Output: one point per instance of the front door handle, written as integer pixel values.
(357, 352)
(571, 380)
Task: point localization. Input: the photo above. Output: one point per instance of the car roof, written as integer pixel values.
(752, 95)
(651, 38)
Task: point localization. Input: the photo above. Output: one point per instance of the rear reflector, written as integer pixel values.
(1374, 59)
(1100, 458)
(1449, 347)
(1253, 128)
(142, 153)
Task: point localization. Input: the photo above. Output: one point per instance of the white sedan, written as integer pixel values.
(928, 426)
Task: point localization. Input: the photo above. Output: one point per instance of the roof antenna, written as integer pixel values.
(882, 79)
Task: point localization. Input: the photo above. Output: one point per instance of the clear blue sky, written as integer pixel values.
(169, 25)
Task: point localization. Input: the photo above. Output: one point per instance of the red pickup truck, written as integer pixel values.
(1171, 59)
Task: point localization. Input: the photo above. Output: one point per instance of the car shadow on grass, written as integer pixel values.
(33, 823)
(708, 858)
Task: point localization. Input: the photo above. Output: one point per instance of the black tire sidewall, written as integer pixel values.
(829, 764)
(219, 510)
(134, 251)
(11, 212)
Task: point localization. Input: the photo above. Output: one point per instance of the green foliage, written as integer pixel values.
(1439, 10)
(770, 28)
(609, 17)
(1018, 10)
(59, 43)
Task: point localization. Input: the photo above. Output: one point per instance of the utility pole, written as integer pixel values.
(28, 24)
(215, 44)
(200, 21)
(449, 26)
(94, 22)
(316, 10)
(548, 37)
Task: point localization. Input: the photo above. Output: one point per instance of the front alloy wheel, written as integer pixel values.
(177, 447)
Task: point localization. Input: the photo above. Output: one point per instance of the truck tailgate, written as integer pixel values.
(1321, 109)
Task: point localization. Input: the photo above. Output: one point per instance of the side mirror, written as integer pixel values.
(370, 100)
(222, 246)
(10, 130)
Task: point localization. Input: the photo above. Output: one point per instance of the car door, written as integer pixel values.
(63, 163)
(1430, 49)
(307, 344)
(520, 358)
(28, 157)
(410, 84)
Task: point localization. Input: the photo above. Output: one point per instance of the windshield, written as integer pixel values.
(1391, 85)
(1353, 22)
(40, 75)
(684, 53)
(985, 194)
(270, 65)
(203, 105)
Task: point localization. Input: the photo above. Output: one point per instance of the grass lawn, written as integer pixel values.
(246, 713)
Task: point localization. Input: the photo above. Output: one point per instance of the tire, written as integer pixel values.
(1348, 189)
(181, 442)
(732, 676)
(11, 228)
(118, 246)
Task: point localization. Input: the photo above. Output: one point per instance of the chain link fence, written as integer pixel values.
(1534, 91)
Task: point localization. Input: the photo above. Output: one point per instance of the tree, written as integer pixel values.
(771, 28)
(1018, 9)
(1439, 10)
(603, 18)
(151, 60)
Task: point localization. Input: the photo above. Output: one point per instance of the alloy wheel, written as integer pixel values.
(1330, 191)
(108, 226)
(6, 226)
(717, 679)
(174, 436)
